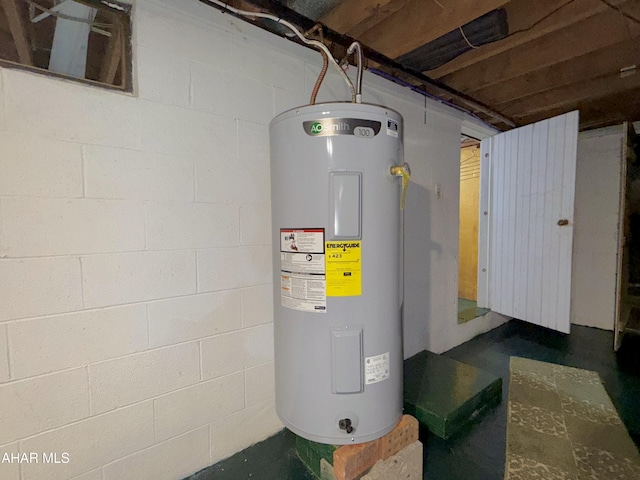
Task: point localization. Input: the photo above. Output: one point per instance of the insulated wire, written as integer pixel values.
(316, 87)
(319, 45)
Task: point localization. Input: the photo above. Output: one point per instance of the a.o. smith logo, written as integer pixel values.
(341, 126)
(343, 246)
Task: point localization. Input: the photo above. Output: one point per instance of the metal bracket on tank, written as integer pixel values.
(403, 171)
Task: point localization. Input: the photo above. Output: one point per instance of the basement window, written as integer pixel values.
(85, 40)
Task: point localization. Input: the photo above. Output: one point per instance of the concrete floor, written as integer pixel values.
(477, 452)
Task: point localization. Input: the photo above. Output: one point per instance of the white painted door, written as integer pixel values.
(526, 221)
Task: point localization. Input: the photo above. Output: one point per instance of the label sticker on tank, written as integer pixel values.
(344, 268)
(327, 127)
(392, 128)
(302, 269)
(376, 369)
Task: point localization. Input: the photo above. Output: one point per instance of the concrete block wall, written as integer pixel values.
(136, 330)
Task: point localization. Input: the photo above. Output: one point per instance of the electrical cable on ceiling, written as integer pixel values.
(467, 40)
(319, 45)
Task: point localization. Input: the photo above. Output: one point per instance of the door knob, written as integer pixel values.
(563, 221)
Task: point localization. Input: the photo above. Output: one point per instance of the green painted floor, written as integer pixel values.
(468, 310)
(477, 451)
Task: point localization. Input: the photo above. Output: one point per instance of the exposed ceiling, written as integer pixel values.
(554, 56)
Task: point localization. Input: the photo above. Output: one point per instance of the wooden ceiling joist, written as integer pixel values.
(573, 94)
(606, 61)
(587, 36)
(598, 112)
(18, 31)
(354, 17)
(426, 21)
(521, 15)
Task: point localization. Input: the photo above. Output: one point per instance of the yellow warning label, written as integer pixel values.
(344, 268)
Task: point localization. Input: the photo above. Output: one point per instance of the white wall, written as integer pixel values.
(135, 314)
(595, 236)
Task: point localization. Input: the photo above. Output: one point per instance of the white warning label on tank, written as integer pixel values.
(303, 281)
(376, 369)
(307, 240)
(306, 293)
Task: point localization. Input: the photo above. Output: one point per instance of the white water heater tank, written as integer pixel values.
(336, 222)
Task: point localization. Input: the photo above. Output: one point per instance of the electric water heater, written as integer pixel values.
(336, 218)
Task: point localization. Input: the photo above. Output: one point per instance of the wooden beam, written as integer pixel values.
(604, 62)
(114, 54)
(354, 17)
(521, 14)
(597, 112)
(18, 31)
(589, 35)
(572, 94)
(420, 21)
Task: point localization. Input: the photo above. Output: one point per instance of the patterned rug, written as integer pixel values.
(562, 426)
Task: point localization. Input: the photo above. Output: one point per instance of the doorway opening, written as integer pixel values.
(628, 321)
(468, 232)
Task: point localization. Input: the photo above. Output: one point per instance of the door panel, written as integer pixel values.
(531, 188)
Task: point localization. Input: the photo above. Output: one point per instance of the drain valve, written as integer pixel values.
(345, 424)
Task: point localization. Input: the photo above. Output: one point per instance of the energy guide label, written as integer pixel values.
(376, 369)
(303, 281)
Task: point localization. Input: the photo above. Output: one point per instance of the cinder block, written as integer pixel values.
(41, 167)
(196, 316)
(198, 405)
(255, 225)
(69, 111)
(134, 277)
(405, 465)
(38, 226)
(225, 268)
(260, 384)
(286, 100)
(47, 344)
(183, 131)
(172, 86)
(130, 174)
(31, 406)
(242, 429)
(219, 268)
(193, 225)
(130, 379)
(351, 461)
(175, 458)
(404, 434)
(253, 147)
(256, 265)
(181, 35)
(224, 92)
(4, 355)
(10, 471)
(257, 305)
(39, 286)
(258, 344)
(232, 352)
(222, 355)
(242, 183)
(92, 442)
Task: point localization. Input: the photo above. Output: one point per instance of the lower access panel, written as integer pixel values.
(346, 348)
